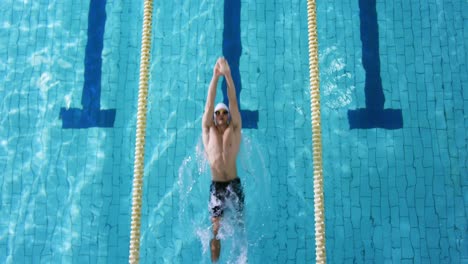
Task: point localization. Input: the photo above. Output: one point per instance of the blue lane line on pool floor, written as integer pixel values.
(232, 50)
(374, 115)
(91, 115)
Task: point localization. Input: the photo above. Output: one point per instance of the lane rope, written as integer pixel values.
(319, 209)
(138, 167)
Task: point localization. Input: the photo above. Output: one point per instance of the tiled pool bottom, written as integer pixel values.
(387, 214)
(397, 195)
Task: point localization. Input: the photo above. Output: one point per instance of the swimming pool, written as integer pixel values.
(392, 194)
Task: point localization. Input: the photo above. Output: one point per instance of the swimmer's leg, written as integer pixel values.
(215, 243)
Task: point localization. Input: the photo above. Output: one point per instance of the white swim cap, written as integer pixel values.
(218, 107)
(221, 106)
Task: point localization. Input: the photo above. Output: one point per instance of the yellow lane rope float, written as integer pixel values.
(319, 210)
(138, 168)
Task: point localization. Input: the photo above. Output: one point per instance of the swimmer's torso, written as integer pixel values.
(221, 150)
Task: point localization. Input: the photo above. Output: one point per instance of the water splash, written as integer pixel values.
(238, 234)
(336, 82)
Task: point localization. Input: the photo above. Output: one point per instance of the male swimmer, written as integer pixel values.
(221, 132)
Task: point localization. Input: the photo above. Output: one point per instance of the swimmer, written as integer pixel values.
(221, 132)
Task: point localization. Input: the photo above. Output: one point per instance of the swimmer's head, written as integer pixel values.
(221, 114)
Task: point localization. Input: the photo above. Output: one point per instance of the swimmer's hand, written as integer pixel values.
(217, 69)
(224, 67)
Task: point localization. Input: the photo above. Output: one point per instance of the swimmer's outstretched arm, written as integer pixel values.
(207, 120)
(231, 93)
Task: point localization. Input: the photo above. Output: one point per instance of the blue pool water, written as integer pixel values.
(393, 104)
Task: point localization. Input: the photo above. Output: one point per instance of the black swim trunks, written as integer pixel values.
(224, 195)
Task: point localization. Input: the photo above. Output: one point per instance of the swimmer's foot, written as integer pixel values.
(215, 246)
